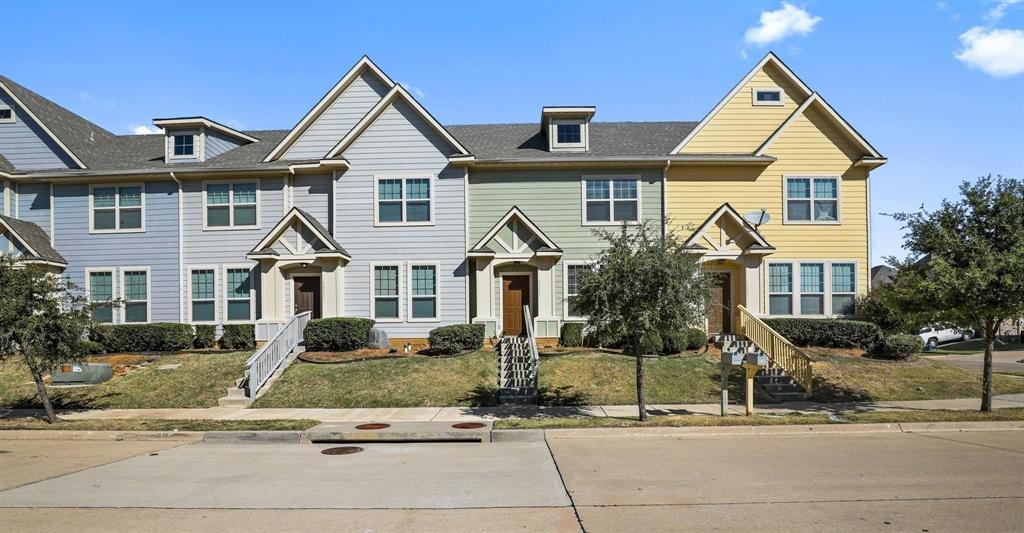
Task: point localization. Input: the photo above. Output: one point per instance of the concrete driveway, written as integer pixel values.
(1008, 361)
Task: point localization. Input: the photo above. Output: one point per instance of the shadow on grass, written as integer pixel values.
(62, 403)
(565, 396)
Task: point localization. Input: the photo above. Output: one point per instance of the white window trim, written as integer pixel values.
(826, 278)
(196, 152)
(584, 143)
(117, 208)
(437, 290)
(216, 293)
(227, 300)
(14, 115)
(770, 88)
(398, 296)
(231, 205)
(149, 294)
(376, 199)
(611, 179)
(812, 177)
(565, 288)
(795, 294)
(113, 287)
(792, 288)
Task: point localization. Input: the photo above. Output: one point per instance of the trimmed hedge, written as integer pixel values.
(456, 338)
(571, 335)
(88, 347)
(339, 334)
(899, 347)
(156, 337)
(238, 337)
(206, 336)
(828, 332)
(696, 339)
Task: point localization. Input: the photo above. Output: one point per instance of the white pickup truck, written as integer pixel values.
(934, 335)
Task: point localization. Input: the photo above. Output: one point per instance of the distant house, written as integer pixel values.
(881, 275)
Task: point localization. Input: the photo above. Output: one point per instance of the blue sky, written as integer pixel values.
(937, 86)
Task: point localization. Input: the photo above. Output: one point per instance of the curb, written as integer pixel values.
(925, 427)
(48, 434)
(252, 437)
(517, 435)
(818, 429)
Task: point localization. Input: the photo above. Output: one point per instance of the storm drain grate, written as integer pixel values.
(468, 425)
(342, 450)
(373, 426)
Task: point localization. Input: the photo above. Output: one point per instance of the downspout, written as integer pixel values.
(181, 248)
(664, 198)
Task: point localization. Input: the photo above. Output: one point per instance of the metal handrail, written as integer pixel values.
(783, 353)
(264, 362)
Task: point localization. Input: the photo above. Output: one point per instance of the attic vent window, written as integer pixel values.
(183, 145)
(767, 96)
(6, 114)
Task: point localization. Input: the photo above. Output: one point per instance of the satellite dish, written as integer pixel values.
(756, 218)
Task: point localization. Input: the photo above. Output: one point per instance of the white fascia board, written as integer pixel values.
(42, 125)
(816, 99)
(17, 236)
(167, 123)
(514, 212)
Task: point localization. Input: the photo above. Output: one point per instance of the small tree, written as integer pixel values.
(968, 268)
(643, 285)
(43, 318)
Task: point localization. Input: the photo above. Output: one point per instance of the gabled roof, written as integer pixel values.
(314, 225)
(397, 93)
(816, 100)
(34, 239)
(206, 123)
(325, 102)
(549, 246)
(726, 210)
(80, 139)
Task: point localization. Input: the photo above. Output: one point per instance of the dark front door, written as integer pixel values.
(307, 295)
(720, 307)
(515, 293)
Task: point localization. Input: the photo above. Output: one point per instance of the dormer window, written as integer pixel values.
(567, 127)
(184, 145)
(6, 114)
(767, 96)
(569, 133)
(198, 139)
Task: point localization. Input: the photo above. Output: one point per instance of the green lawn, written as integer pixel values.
(159, 425)
(198, 382)
(972, 347)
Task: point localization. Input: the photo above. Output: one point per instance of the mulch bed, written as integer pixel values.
(348, 357)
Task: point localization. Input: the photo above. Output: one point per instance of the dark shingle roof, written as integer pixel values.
(607, 139)
(323, 231)
(146, 152)
(33, 236)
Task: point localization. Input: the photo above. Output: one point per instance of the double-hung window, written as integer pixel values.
(404, 201)
(100, 288)
(204, 294)
(386, 292)
(573, 274)
(117, 208)
(812, 200)
(812, 289)
(844, 288)
(423, 291)
(231, 205)
(780, 289)
(608, 201)
(239, 296)
(821, 288)
(136, 295)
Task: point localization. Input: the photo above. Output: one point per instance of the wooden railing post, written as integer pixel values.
(779, 350)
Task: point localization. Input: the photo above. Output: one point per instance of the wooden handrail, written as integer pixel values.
(780, 351)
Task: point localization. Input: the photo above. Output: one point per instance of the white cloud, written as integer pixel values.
(996, 52)
(993, 15)
(942, 5)
(777, 25)
(146, 130)
(416, 91)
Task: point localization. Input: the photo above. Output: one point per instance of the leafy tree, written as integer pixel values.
(43, 319)
(879, 307)
(967, 267)
(642, 286)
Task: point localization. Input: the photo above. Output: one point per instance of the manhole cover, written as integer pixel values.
(373, 426)
(468, 425)
(342, 450)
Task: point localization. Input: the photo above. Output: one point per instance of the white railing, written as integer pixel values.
(529, 335)
(265, 361)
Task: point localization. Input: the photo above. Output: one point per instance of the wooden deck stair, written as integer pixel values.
(773, 381)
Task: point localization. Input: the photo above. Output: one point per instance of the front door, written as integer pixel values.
(720, 307)
(515, 293)
(307, 295)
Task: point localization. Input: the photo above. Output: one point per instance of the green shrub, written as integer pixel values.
(572, 335)
(206, 336)
(238, 337)
(899, 347)
(673, 343)
(339, 334)
(696, 338)
(828, 332)
(156, 337)
(456, 338)
(88, 347)
(649, 344)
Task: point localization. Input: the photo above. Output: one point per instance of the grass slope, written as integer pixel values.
(159, 425)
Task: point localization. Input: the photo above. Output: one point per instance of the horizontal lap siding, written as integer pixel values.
(400, 143)
(336, 121)
(312, 194)
(217, 144)
(26, 145)
(156, 248)
(34, 204)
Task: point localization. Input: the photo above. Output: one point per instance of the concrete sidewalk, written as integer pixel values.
(467, 414)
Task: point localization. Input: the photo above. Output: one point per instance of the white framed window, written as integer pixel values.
(202, 290)
(183, 145)
(386, 291)
(135, 292)
(571, 274)
(812, 288)
(100, 287)
(238, 294)
(403, 200)
(568, 134)
(424, 292)
(766, 96)
(231, 205)
(117, 208)
(811, 200)
(610, 201)
(6, 114)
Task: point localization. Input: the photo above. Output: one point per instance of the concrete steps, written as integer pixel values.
(238, 396)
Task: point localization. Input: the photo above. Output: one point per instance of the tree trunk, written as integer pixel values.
(640, 386)
(986, 373)
(51, 417)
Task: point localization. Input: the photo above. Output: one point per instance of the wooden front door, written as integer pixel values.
(720, 307)
(307, 295)
(515, 293)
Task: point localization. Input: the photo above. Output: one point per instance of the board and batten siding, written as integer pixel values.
(401, 143)
(26, 145)
(553, 200)
(156, 248)
(33, 204)
(351, 105)
(312, 194)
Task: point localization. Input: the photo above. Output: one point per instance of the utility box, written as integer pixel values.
(82, 374)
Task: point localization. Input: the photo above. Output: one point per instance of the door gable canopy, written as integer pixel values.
(298, 234)
(727, 232)
(515, 235)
